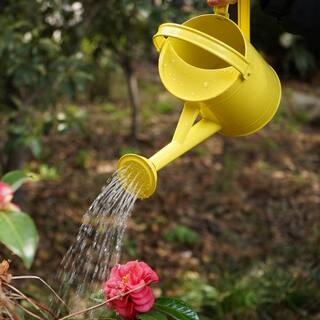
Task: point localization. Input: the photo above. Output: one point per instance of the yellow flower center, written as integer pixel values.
(125, 279)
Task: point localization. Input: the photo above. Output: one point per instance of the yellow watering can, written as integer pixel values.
(209, 63)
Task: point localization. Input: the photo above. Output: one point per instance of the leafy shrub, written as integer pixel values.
(17, 230)
(182, 235)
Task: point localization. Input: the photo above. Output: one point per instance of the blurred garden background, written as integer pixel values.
(234, 227)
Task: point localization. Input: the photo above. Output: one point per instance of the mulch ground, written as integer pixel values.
(248, 199)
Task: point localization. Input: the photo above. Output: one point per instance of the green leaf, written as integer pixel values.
(48, 45)
(35, 146)
(176, 309)
(19, 234)
(152, 315)
(97, 297)
(17, 178)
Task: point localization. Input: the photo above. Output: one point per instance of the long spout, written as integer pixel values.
(188, 134)
(198, 133)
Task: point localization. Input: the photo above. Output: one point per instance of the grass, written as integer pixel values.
(259, 293)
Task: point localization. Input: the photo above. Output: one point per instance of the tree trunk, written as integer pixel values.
(15, 154)
(134, 99)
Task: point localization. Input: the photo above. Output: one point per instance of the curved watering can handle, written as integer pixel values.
(243, 15)
(203, 41)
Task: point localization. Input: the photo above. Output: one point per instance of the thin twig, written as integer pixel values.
(45, 308)
(103, 303)
(10, 315)
(7, 304)
(29, 312)
(23, 295)
(44, 282)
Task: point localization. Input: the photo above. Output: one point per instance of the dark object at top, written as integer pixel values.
(296, 16)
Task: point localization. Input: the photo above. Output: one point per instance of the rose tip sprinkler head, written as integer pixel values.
(138, 175)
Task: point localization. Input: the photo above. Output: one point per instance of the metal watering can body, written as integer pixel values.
(209, 63)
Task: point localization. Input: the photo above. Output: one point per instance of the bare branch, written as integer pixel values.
(25, 297)
(45, 283)
(10, 315)
(6, 305)
(19, 297)
(28, 312)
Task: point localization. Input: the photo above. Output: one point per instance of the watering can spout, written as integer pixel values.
(188, 134)
(182, 142)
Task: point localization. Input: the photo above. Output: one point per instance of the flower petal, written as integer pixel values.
(141, 299)
(146, 306)
(6, 194)
(148, 274)
(128, 311)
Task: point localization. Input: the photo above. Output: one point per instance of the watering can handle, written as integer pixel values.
(243, 15)
(203, 41)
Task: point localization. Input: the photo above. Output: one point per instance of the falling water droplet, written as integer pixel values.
(99, 240)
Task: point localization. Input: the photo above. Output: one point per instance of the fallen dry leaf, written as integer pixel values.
(4, 274)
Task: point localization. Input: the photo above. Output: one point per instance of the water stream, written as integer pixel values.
(97, 247)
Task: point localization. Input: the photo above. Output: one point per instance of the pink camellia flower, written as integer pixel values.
(6, 195)
(124, 278)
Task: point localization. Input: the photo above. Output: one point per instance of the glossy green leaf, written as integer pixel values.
(152, 315)
(97, 297)
(17, 178)
(19, 234)
(176, 309)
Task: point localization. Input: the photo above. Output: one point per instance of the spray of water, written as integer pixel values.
(98, 243)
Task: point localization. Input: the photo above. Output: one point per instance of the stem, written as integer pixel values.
(29, 312)
(10, 315)
(18, 297)
(44, 282)
(103, 303)
(24, 296)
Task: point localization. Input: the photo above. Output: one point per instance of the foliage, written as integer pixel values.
(175, 309)
(181, 234)
(36, 70)
(291, 54)
(264, 290)
(17, 230)
(299, 58)
(17, 178)
(152, 315)
(18, 233)
(48, 173)
(33, 62)
(164, 107)
(71, 118)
